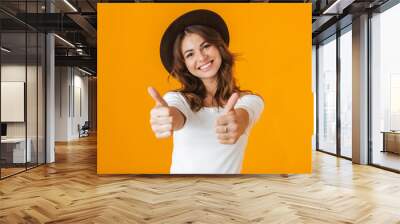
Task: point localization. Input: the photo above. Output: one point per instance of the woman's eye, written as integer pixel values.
(207, 45)
(189, 55)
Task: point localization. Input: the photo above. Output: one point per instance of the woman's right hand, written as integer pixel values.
(161, 119)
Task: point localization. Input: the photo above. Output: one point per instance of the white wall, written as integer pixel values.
(71, 94)
(12, 101)
(61, 103)
(80, 84)
(16, 73)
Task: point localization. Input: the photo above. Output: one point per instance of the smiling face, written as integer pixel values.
(202, 59)
(202, 63)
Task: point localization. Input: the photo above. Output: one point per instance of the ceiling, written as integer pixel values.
(329, 16)
(76, 22)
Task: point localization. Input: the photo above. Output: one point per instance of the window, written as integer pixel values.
(346, 93)
(385, 88)
(327, 95)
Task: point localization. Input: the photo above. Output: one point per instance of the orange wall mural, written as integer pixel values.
(273, 42)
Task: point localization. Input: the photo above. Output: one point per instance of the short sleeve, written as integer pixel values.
(175, 99)
(253, 104)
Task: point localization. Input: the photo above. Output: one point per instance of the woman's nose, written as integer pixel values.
(202, 56)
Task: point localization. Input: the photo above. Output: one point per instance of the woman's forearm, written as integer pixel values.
(242, 119)
(178, 119)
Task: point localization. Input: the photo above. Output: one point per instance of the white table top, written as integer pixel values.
(13, 140)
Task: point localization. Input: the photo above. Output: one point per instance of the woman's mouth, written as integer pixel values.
(206, 66)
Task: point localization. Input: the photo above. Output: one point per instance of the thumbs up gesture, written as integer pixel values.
(161, 118)
(232, 123)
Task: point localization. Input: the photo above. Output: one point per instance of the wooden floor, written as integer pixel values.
(5, 172)
(387, 159)
(70, 191)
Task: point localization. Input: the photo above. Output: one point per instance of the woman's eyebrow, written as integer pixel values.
(201, 45)
(187, 51)
(204, 42)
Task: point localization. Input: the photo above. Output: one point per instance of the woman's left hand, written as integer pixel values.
(232, 124)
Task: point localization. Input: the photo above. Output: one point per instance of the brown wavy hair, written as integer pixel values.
(192, 87)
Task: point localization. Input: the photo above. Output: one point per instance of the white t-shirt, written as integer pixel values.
(196, 147)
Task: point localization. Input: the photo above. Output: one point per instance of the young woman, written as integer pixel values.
(209, 116)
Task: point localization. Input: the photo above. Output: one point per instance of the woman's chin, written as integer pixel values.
(207, 75)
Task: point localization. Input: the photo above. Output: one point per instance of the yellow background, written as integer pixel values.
(274, 41)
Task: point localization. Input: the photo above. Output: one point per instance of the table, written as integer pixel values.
(391, 141)
(13, 150)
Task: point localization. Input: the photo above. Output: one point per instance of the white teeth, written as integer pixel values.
(205, 66)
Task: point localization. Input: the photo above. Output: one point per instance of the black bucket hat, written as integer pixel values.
(196, 17)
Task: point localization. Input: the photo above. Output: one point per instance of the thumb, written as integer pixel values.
(231, 102)
(156, 97)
